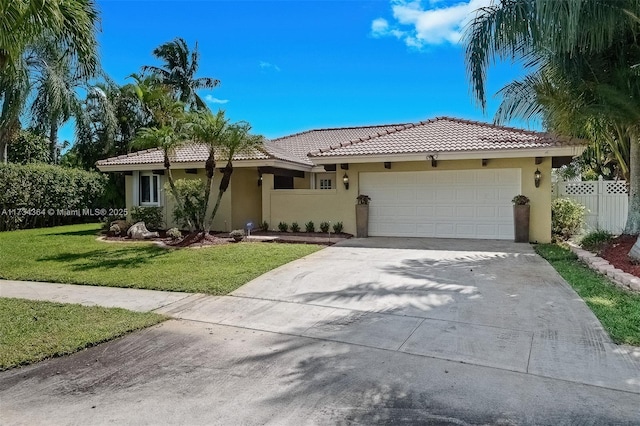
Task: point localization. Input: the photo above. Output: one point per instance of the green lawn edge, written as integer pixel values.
(618, 310)
(73, 255)
(32, 331)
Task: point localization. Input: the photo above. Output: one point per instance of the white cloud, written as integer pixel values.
(267, 65)
(213, 100)
(419, 25)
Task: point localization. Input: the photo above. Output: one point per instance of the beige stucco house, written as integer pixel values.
(444, 177)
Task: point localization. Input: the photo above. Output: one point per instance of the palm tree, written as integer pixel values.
(54, 86)
(209, 130)
(586, 49)
(235, 139)
(24, 23)
(179, 70)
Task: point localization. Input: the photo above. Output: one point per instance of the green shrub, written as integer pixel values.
(337, 227)
(596, 240)
(264, 226)
(283, 227)
(39, 195)
(324, 226)
(191, 193)
(567, 217)
(310, 226)
(237, 234)
(151, 216)
(295, 227)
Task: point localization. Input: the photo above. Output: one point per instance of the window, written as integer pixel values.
(149, 189)
(325, 184)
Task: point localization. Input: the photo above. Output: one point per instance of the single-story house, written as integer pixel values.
(443, 177)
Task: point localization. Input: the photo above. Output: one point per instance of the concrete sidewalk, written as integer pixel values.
(110, 297)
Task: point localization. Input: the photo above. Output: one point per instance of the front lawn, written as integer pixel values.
(31, 331)
(71, 254)
(617, 310)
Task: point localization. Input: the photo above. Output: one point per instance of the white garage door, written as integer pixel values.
(445, 204)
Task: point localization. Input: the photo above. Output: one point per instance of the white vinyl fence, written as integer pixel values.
(606, 202)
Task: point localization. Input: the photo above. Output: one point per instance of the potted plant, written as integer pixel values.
(362, 216)
(521, 211)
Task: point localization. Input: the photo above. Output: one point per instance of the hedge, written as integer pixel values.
(39, 195)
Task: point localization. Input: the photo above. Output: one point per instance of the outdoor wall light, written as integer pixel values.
(536, 178)
(345, 180)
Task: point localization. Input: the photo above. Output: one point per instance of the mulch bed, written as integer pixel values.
(616, 254)
(193, 239)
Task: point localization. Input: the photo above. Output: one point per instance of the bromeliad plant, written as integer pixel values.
(520, 200)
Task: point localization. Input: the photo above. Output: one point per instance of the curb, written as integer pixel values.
(617, 276)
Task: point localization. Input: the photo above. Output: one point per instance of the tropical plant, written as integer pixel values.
(174, 234)
(363, 199)
(310, 226)
(264, 226)
(567, 217)
(235, 139)
(295, 227)
(283, 227)
(520, 200)
(324, 226)
(582, 57)
(337, 227)
(193, 203)
(179, 70)
(152, 217)
(69, 26)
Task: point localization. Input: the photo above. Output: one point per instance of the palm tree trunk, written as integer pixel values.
(210, 167)
(633, 217)
(53, 142)
(3, 150)
(224, 184)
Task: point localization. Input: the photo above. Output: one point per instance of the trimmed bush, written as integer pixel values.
(264, 226)
(151, 216)
(283, 227)
(324, 226)
(596, 240)
(174, 234)
(567, 217)
(310, 226)
(40, 195)
(337, 227)
(191, 193)
(295, 227)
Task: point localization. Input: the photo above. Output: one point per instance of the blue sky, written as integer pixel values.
(291, 66)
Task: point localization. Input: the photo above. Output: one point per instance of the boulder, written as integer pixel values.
(122, 224)
(139, 231)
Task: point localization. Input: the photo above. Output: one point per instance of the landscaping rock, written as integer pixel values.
(122, 224)
(139, 231)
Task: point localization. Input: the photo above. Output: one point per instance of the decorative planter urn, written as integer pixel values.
(521, 223)
(362, 220)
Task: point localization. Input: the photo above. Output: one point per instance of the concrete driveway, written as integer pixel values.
(371, 331)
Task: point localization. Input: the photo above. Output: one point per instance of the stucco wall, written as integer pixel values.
(338, 205)
(223, 220)
(246, 198)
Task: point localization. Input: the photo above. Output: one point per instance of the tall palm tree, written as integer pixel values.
(54, 87)
(586, 48)
(179, 70)
(24, 23)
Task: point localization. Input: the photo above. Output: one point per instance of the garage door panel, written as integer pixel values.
(445, 203)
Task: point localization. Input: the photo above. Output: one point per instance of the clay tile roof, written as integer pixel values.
(442, 134)
(188, 153)
(299, 145)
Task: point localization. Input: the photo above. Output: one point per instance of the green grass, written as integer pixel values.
(31, 331)
(71, 254)
(617, 310)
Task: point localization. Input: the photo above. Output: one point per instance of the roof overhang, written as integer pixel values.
(573, 151)
(200, 165)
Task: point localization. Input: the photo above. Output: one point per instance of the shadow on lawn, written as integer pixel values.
(82, 233)
(108, 259)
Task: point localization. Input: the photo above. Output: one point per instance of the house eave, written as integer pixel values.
(573, 151)
(200, 165)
